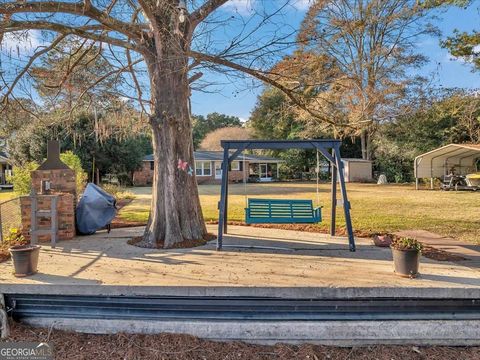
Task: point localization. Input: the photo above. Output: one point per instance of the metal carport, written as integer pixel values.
(438, 162)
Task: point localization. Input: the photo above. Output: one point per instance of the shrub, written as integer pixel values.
(14, 237)
(21, 178)
(124, 179)
(406, 243)
(118, 192)
(74, 163)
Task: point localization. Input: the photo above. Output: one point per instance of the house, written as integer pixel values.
(208, 168)
(5, 169)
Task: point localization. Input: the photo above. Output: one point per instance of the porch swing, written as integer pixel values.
(281, 211)
(285, 211)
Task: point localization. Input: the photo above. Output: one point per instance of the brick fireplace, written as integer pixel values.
(53, 177)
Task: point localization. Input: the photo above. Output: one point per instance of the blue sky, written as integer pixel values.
(236, 98)
(447, 72)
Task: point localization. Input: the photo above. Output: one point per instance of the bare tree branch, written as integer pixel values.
(263, 77)
(135, 80)
(203, 11)
(77, 8)
(103, 78)
(12, 26)
(195, 77)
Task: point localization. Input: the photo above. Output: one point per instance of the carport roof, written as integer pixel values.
(433, 163)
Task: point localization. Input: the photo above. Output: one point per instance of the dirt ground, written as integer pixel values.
(68, 345)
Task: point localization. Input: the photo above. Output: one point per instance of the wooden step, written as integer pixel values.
(44, 213)
(43, 232)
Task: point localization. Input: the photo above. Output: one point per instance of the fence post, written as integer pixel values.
(54, 221)
(1, 225)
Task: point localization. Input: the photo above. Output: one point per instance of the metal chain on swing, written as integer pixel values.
(317, 170)
(245, 181)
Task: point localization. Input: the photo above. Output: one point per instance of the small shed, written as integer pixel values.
(460, 159)
(357, 170)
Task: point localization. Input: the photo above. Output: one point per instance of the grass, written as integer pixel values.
(6, 195)
(375, 208)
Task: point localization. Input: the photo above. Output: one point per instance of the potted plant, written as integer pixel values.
(24, 256)
(406, 256)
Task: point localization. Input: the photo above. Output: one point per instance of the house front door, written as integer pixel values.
(264, 175)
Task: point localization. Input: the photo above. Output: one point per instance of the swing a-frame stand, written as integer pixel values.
(330, 149)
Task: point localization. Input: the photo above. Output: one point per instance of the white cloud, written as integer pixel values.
(19, 43)
(247, 7)
(302, 4)
(243, 7)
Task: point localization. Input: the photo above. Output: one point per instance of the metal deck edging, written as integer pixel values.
(238, 308)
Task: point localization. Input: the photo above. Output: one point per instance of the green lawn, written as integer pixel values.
(375, 208)
(6, 194)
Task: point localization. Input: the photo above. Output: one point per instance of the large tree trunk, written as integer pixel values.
(365, 141)
(175, 214)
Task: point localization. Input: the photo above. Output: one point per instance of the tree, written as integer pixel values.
(450, 116)
(201, 125)
(15, 115)
(63, 78)
(273, 118)
(167, 39)
(465, 46)
(212, 140)
(126, 156)
(370, 45)
(113, 154)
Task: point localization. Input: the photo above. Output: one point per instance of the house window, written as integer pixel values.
(203, 168)
(235, 166)
(152, 165)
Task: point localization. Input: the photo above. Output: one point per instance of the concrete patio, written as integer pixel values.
(266, 257)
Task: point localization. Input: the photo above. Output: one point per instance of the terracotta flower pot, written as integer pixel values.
(406, 262)
(25, 259)
(382, 240)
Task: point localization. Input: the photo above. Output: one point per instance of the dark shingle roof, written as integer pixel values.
(218, 156)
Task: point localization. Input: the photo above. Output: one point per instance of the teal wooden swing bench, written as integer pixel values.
(281, 211)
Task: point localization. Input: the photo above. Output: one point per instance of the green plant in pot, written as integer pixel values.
(24, 256)
(406, 256)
